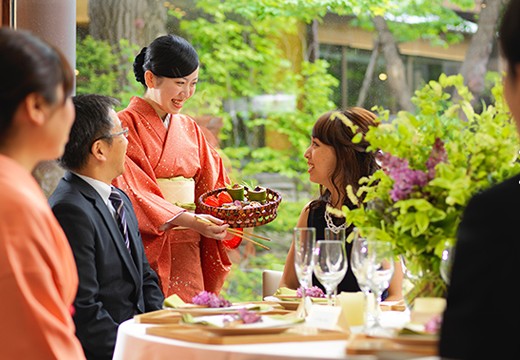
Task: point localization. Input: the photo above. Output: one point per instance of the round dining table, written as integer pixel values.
(133, 343)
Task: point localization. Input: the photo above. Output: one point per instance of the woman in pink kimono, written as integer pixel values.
(164, 147)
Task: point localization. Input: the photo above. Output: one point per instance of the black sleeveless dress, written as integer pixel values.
(317, 220)
(349, 283)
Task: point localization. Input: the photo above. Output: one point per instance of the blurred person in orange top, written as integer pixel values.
(38, 277)
(169, 165)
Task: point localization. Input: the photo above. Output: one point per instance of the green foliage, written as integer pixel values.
(100, 66)
(245, 283)
(287, 217)
(243, 56)
(95, 64)
(481, 148)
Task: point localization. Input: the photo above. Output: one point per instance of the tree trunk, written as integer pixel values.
(394, 65)
(369, 74)
(139, 21)
(312, 41)
(48, 174)
(473, 68)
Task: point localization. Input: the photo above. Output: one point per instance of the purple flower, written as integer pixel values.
(433, 325)
(437, 155)
(313, 291)
(248, 317)
(243, 316)
(210, 299)
(405, 179)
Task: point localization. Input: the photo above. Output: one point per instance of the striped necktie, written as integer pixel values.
(117, 202)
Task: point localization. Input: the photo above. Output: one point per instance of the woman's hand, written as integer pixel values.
(211, 227)
(206, 225)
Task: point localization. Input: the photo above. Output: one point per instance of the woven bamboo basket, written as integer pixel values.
(246, 217)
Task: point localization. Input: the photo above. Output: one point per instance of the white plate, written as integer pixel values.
(223, 310)
(216, 325)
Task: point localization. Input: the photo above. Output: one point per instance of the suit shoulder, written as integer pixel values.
(502, 192)
(65, 194)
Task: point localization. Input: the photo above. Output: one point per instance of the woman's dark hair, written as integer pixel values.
(168, 56)
(92, 122)
(353, 161)
(508, 36)
(29, 65)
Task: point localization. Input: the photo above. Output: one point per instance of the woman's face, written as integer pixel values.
(169, 94)
(321, 162)
(59, 120)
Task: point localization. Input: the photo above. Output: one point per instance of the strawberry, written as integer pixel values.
(212, 201)
(234, 242)
(223, 197)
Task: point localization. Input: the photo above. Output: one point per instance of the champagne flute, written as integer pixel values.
(446, 263)
(380, 272)
(360, 262)
(335, 234)
(304, 239)
(330, 264)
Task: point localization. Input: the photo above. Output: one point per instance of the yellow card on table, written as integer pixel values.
(353, 307)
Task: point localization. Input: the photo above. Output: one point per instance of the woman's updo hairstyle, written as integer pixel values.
(168, 56)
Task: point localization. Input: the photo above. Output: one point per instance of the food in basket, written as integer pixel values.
(240, 214)
(257, 194)
(236, 191)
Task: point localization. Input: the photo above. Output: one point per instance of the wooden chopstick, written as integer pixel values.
(235, 232)
(253, 235)
(245, 237)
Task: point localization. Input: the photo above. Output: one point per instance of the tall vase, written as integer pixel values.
(425, 281)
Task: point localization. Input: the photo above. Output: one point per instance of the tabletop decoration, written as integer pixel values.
(243, 316)
(313, 292)
(432, 162)
(210, 299)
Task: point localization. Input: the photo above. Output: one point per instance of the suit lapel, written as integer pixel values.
(107, 218)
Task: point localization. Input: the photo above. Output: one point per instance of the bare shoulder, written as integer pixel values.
(304, 215)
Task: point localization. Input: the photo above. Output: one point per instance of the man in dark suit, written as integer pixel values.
(115, 279)
(481, 320)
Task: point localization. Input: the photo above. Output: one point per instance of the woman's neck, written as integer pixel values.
(336, 200)
(161, 113)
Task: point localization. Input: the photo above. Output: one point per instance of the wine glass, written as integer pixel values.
(359, 263)
(335, 234)
(304, 239)
(330, 264)
(380, 272)
(446, 263)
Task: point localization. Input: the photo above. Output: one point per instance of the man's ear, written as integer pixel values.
(149, 79)
(35, 106)
(98, 149)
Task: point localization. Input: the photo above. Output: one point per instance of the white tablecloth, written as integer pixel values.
(134, 344)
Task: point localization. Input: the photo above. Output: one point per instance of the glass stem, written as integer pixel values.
(369, 309)
(329, 298)
(377, 310)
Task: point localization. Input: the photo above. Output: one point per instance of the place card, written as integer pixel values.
(323, 317)
(425, 308)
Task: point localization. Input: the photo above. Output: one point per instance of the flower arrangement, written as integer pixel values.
(313, 291)
(243, 316)
(432, 163)
(210, 299)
